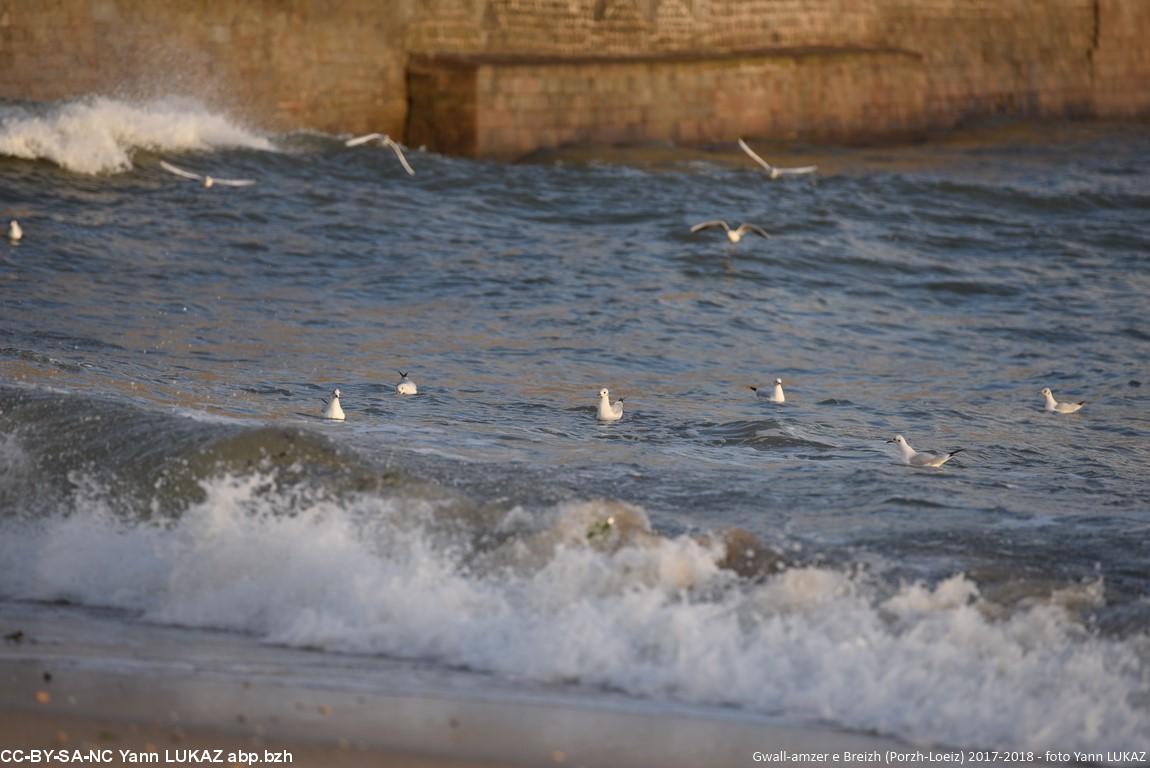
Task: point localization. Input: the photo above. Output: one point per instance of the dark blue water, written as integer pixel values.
(164, 350)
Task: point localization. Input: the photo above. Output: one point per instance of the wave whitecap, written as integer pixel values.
(570, 600)
(100, 134)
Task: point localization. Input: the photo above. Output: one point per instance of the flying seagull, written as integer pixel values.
(386, 141)
(771, 170)
(207, 181)
(734, 235)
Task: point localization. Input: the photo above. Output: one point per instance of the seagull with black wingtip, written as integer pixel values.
(915, 458)
(405, 386)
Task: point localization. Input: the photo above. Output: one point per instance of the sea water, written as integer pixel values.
(165, 348)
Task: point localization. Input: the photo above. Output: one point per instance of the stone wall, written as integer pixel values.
(591, 70)
(515, 106)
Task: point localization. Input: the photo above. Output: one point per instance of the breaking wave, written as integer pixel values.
(587, 593)
(100, 134)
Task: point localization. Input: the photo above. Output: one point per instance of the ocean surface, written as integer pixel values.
(165, 349)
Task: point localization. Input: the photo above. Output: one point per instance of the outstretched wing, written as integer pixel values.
(399, 154)
(180, 171)
(757, 230)
(754, 156)
(709, 224)
(234, 182)
(796, 171)
(364, 139)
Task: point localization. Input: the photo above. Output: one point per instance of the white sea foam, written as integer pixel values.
(100, 134)
(623, 608)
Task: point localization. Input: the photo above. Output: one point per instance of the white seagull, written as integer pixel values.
(609, 411)
(776, 395)
(15, 233)
(1053, 406)
(207, 181)
(405, 386)
(386, 141)
(733, 235)
(771, 170)
(921, 458)
(334, 410)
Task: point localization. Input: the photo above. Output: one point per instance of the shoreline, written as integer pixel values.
(79, 680)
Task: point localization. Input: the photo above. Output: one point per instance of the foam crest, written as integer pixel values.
(568, 598)
(100, 134)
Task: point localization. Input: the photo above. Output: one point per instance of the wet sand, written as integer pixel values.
(79, 679)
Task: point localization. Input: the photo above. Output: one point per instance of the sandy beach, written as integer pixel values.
(76, 680)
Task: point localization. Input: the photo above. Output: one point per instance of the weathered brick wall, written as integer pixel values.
(282, 63)
(344, 65)
(517, 107)
(987, 56)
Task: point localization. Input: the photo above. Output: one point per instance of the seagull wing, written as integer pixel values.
(234, 182)
(180, 171)
(399, 154)
(364, 139)
(709, 224)
(797, 171)
(754, 156)
(752, 228)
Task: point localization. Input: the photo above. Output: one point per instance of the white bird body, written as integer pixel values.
(1053, 406)
(15, 233)
(776, 395)
(386, 141)
(609, 411)
(915, 458)
(207, 181)
(733, 235)
(772, 171)
(406, 386)
(334, 410)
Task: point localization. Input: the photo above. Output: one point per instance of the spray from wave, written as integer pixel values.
(100, 134)
(588, 593)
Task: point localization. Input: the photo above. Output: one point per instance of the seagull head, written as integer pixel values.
(898, 439)
(604, 393)
(778, 381)
(208, 182)
(1046, 392)
(335, 395)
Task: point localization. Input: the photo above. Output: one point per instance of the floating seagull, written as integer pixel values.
(1053, 406)
(609, 411)
(734, 235)
(15, 233)
(405, 386)
(334, 410)
(771, 170)
(207, 181)
(922, 458)
(776, 395)
(386, 141)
